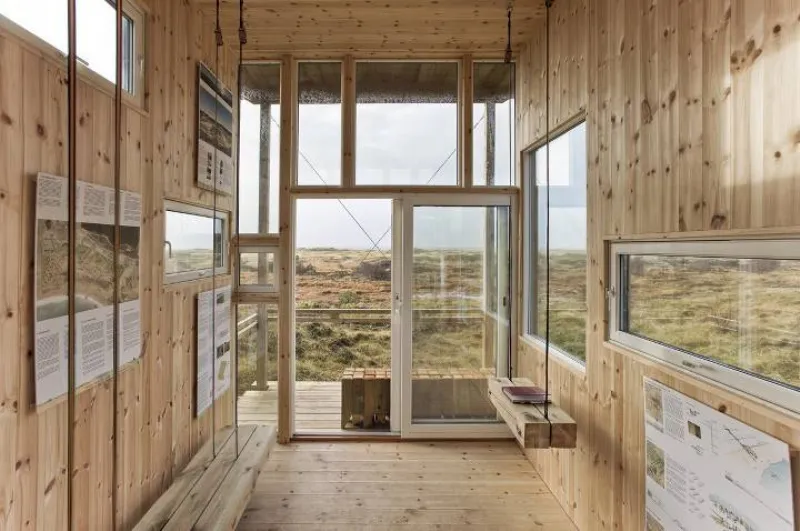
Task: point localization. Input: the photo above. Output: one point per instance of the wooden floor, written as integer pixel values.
(317, 406)
(350, 486)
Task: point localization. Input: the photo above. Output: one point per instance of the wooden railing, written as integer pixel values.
(364, 316)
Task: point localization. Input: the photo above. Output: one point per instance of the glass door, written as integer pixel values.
(456, 314)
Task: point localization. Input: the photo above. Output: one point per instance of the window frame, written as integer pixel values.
(199, 274)
(133, 11)
(727, 376)
(274, 250)
(531, 241)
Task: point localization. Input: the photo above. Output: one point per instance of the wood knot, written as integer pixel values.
(722, 408)
(40, 131)
(6, 119)
(9, 314)
(718, 221)
(647, 112)
(776, 29)
(777, 154)
(673, 95)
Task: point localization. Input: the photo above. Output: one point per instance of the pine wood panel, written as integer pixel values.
(157, 431)
(691, 108)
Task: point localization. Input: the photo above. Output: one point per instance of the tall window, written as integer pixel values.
(96, 26)
(558, 210)
(492, 124)
(319, 86)
(728, 310)
(407, 123)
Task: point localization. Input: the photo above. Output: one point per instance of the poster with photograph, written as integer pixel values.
(214, 133)
(214, 368)
(94, 283)
(706, 471)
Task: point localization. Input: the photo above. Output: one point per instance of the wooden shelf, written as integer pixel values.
(528, 423)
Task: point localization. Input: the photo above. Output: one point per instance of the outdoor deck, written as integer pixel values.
(317, 406)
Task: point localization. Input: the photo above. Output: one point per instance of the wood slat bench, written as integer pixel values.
(436, 394)
(211, 493)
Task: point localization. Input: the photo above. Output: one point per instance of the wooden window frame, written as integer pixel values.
(196, 210)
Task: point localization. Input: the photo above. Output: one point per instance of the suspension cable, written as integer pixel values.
(548, 4)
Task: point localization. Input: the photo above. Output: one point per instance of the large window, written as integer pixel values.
(728, 310)
(195, 242)
(492, 124)
(319, 86)
(556, 207)
(259, 148)
(96, 34)
(407, 123)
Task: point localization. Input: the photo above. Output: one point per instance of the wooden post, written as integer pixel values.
(286, 294)
(262, 329)
(467, 124)
(490, 275)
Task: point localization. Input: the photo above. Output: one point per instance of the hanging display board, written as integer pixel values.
(213, 346)
(214, 133)
(706, 471)
(94, 289)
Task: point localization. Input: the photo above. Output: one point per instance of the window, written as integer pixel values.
(407, 123)
(566, 226)
(259, 148)
(96, 34)
(257, 269)
(195, 242)
(727, 310)
(319, 87)
(492, 125)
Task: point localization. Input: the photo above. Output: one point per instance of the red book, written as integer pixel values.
(523, 394)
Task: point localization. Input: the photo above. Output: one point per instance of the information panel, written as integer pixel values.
(706, 471)
(213, 346)
(94, 288)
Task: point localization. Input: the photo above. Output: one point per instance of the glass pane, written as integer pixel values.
(257, 269)
(320, 124)
(257, 330)
(193, 242)
(343, 314)
(259, 149)
(407, 123)
(493, 132)
(460, 310)
(96, 31)
(741, 312)
(567, 258)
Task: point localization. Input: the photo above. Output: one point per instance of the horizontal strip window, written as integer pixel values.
(726, 310)
(96, 28)
(195, 242)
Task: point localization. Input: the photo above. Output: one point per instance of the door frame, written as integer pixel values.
(405, 208)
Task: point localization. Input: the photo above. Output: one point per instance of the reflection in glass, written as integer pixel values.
(568, 307)
(406, 123)
(744, 313)
(460, 311)
(493, 132)
(319, 86)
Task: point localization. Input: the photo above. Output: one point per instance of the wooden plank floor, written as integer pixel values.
(318, 406)
(406, 486)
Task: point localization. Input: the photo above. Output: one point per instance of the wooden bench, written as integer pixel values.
(211, 493)
(436, 394)
(528, 423)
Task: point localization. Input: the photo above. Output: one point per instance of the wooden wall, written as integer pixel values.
(693, 124)
(157, 430)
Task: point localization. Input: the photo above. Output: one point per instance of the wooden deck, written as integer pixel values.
(349, 486)
(317, 406)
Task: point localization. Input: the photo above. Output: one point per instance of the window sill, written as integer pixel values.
(722, 392)
(559, 356)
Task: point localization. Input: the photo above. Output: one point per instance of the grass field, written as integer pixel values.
(747, 318)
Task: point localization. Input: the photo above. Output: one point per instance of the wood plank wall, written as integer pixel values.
(157, 430)
(693, 124)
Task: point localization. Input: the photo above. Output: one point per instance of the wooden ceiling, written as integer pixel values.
(374, 27)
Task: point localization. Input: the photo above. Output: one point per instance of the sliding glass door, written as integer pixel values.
(456, 314)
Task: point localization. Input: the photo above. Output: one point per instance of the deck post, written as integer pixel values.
(262, 329)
